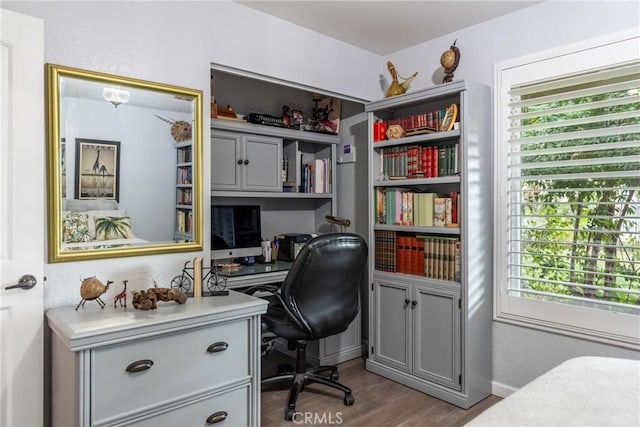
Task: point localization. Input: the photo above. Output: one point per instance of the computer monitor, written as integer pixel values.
(235, 231)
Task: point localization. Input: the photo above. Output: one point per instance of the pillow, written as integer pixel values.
(111, 228)
(75, 205)
(75, 228)
(92, 215)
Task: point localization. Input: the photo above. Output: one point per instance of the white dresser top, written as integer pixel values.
(92, 326)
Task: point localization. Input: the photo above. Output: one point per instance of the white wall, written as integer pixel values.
(521, 354)
(176, 42)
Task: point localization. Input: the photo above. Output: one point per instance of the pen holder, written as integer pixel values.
(266, 251)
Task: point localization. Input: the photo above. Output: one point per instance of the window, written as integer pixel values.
(568, 191)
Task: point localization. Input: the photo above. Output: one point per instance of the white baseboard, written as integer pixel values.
(501, 390)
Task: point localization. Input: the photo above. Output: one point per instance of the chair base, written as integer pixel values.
(301, 377)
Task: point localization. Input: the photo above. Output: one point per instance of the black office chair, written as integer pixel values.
(318, 298)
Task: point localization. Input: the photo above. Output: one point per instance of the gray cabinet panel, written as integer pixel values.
(225, 151)
(262, 163)
(245, 162)
(393, 325)
(437, 333)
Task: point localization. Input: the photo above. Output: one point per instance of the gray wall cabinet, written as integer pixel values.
(431, 330)
(245, 162)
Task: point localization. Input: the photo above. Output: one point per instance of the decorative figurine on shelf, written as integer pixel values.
(148, 300)
(449, 61)
(397, 88)
(91, 289)
(180, 130)
(121, 296)
(395, 132)
(286, 118)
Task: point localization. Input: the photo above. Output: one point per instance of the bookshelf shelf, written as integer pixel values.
(420, 230)
(183, 231)
(427, 327)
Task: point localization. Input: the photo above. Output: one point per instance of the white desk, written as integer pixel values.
(256, 274)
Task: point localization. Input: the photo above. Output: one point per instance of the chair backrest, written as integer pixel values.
(322, 289)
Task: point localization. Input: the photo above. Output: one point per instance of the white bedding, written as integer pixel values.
(95, 244)
(585, 391)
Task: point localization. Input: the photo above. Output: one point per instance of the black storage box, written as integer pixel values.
(290, 245)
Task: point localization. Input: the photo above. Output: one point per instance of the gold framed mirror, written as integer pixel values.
(124, 166)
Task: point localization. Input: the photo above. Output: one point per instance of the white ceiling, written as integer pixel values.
(384, 27)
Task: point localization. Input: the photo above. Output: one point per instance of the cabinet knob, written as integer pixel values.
(413, 304)
(139, 365)
(406, 302)
(217, 417)
(217, 347)
(246, 162)
(239, 161)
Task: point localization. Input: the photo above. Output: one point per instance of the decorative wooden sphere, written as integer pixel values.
(448, 59)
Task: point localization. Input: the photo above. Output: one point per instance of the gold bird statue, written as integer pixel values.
(397, 88)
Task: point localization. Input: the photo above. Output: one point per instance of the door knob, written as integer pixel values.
(27, 281)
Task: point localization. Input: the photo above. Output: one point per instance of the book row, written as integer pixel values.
(184, 155)
(184, 175)
(426, 122)
(316, 177)
(414, 161)
(403, 206)
(184, 220)
(436, 257)
(185, 196)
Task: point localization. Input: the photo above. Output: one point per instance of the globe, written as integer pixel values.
(448, 59)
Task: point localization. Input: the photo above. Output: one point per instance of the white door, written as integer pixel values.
(21, 219)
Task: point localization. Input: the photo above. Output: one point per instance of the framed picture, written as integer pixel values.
(97, 172)
(450, 115)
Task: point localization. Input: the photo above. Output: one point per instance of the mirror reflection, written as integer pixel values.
(124, 164)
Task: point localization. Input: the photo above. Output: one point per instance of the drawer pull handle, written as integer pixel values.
(217, 347)
(217, 417)
(139, 365)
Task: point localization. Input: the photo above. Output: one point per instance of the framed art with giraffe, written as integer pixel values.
(97, 171)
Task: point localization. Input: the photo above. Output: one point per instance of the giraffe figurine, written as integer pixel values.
(121, 296)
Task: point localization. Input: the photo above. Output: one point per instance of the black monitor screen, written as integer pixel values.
(235, 227)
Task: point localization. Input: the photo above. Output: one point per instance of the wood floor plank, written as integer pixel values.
(378, 402)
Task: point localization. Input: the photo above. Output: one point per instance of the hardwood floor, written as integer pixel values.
(378, 402)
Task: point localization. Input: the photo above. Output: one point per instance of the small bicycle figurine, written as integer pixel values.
(216, 284)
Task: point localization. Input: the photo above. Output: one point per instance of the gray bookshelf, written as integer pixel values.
(434, 334)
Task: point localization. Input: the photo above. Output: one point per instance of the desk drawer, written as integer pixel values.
(181, 367)
(230, 409)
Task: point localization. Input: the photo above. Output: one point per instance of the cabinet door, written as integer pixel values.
(225, 153)
(262, 163)
(393, 324)
(437, 336)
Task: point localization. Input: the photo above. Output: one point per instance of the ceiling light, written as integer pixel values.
(115, 96)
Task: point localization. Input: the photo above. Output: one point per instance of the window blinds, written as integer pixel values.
(573, 189)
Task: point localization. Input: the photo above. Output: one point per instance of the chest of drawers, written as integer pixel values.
(191, 364)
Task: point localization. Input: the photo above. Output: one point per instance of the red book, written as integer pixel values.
(434, 162)
(420, 267)
(415, 256)
(454, 207)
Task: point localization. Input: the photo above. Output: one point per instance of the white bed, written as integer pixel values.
(79, 219)
(585, 391)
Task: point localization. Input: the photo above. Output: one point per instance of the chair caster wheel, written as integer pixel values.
(349, 400)
(335, 376)
(289, 415)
